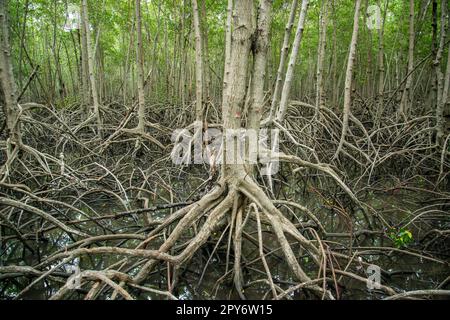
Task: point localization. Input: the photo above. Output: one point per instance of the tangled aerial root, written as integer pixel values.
(51, 194)
(230, 198)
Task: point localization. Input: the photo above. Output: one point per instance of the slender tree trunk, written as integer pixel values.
(205, 44)
(405, 103)
(292, 61)
(7, 85)
(349, 78)
(381, 70)
(433, 98)
(140, 69)
(91, 68)
(182, 84)
(85, 87)
(127, 66)
(11, 108)
(444, 105)
(334, 86)
(441, 82)
(367, 68)
(198, 63)
(55, 49)
(288, 81)
(283, 55)
(226, 72)
(320, 92)
(22, 40)
(259, 64)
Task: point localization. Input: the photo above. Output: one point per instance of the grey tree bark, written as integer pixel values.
(320, 92)
(198, 63)
(442, 80)
(292, 60)
(226, 72)
(140, 69)
(349, 78)
(91, 68)
(11, 108)
(405, 102)
(85, 87)
(381, 68)
(288, 78)
(260, 48)
(283, 55)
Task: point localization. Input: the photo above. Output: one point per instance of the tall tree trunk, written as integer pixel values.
(85, 87)
(320, 95)
(405, 103)
(292, 61)
(349, 78)
(11, 109)
(259, 64)
(205, 45)
(8, 86)
(140, 69)
(288, 81)
(432, 99)
(440, 91)
(381, 70)
(127, 65)
(198, 63)
(367, 68)
(334, 62)
(91, 68)
(283, 55)
(227, 68)
(444, 105)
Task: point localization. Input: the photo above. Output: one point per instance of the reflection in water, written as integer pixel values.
(199, 280)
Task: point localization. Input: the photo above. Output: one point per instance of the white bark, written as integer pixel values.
(320, 94)
(259, 64)
(283, 55)
(140, 69)
(84, 64)
(241, 41)
(405, 103)
(198, 63)
(288, 80)
(292, 60)
(11, 108)
(381, 70)
(226, 72)
(349, 78)
(91, 67)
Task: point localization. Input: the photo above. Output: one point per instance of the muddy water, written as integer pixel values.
(405, 272)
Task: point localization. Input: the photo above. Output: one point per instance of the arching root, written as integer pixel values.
(232, 198)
